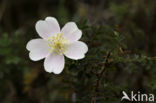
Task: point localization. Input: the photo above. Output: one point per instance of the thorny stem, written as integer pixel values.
(99, 77)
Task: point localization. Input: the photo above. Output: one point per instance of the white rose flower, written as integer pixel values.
(54, 44)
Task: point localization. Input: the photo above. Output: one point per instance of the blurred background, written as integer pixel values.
(125, 28)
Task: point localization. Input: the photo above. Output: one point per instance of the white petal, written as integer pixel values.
(54, 21)
(36, 45)
(38, 55)
(47, 28)
(76, 50)
(71, 32)
(54, 63)
(38, 49)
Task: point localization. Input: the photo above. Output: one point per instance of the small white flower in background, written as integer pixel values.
(55, 43)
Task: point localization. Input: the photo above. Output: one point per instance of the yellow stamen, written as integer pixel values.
(57, 44)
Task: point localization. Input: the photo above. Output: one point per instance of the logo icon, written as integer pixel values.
(125, 96)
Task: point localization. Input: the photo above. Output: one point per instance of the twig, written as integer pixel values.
(99, 77)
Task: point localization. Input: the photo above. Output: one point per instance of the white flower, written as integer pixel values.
(55, 43)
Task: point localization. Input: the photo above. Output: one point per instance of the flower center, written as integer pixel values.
(57, 44)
